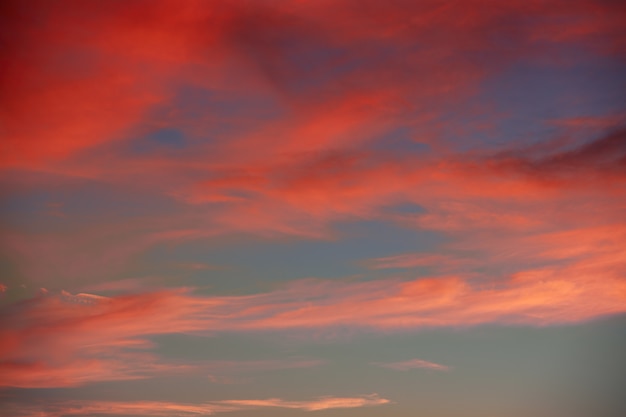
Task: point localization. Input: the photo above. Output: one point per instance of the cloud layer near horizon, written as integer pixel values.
(71, 340)
(167, 409)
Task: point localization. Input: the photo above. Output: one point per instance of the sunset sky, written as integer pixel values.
(293, 208)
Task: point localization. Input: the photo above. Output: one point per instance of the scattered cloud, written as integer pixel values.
(291, 117)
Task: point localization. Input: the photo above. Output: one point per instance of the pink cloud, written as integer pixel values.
(412, 364)
(412, 260)
(323, 403)
(87, 368)
(171, 409)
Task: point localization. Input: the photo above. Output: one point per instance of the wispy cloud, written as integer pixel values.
(172, 409)
(412, 260)
(505, 195)
(322, 403)
(70, 340)
(412, 364)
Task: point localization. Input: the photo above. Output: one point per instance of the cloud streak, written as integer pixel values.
(171, 409)
(412, 364)
(72, 340)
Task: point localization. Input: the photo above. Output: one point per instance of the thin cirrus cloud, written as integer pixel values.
(52, 341)
(74, 353)
(412, 364)
(320, 404)
(130, 361)
(171, 409)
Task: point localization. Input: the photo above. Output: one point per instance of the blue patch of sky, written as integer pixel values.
(216, 113)
(82, 203)
(528, 96)
(406, 208)
(168, 139)
(249, 262)
(196, 102)
(399, 141)
(313, 64)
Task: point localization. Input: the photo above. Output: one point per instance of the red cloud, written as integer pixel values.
(83, 86)
(91, 74)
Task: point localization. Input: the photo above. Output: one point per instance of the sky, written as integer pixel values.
(332, 208)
